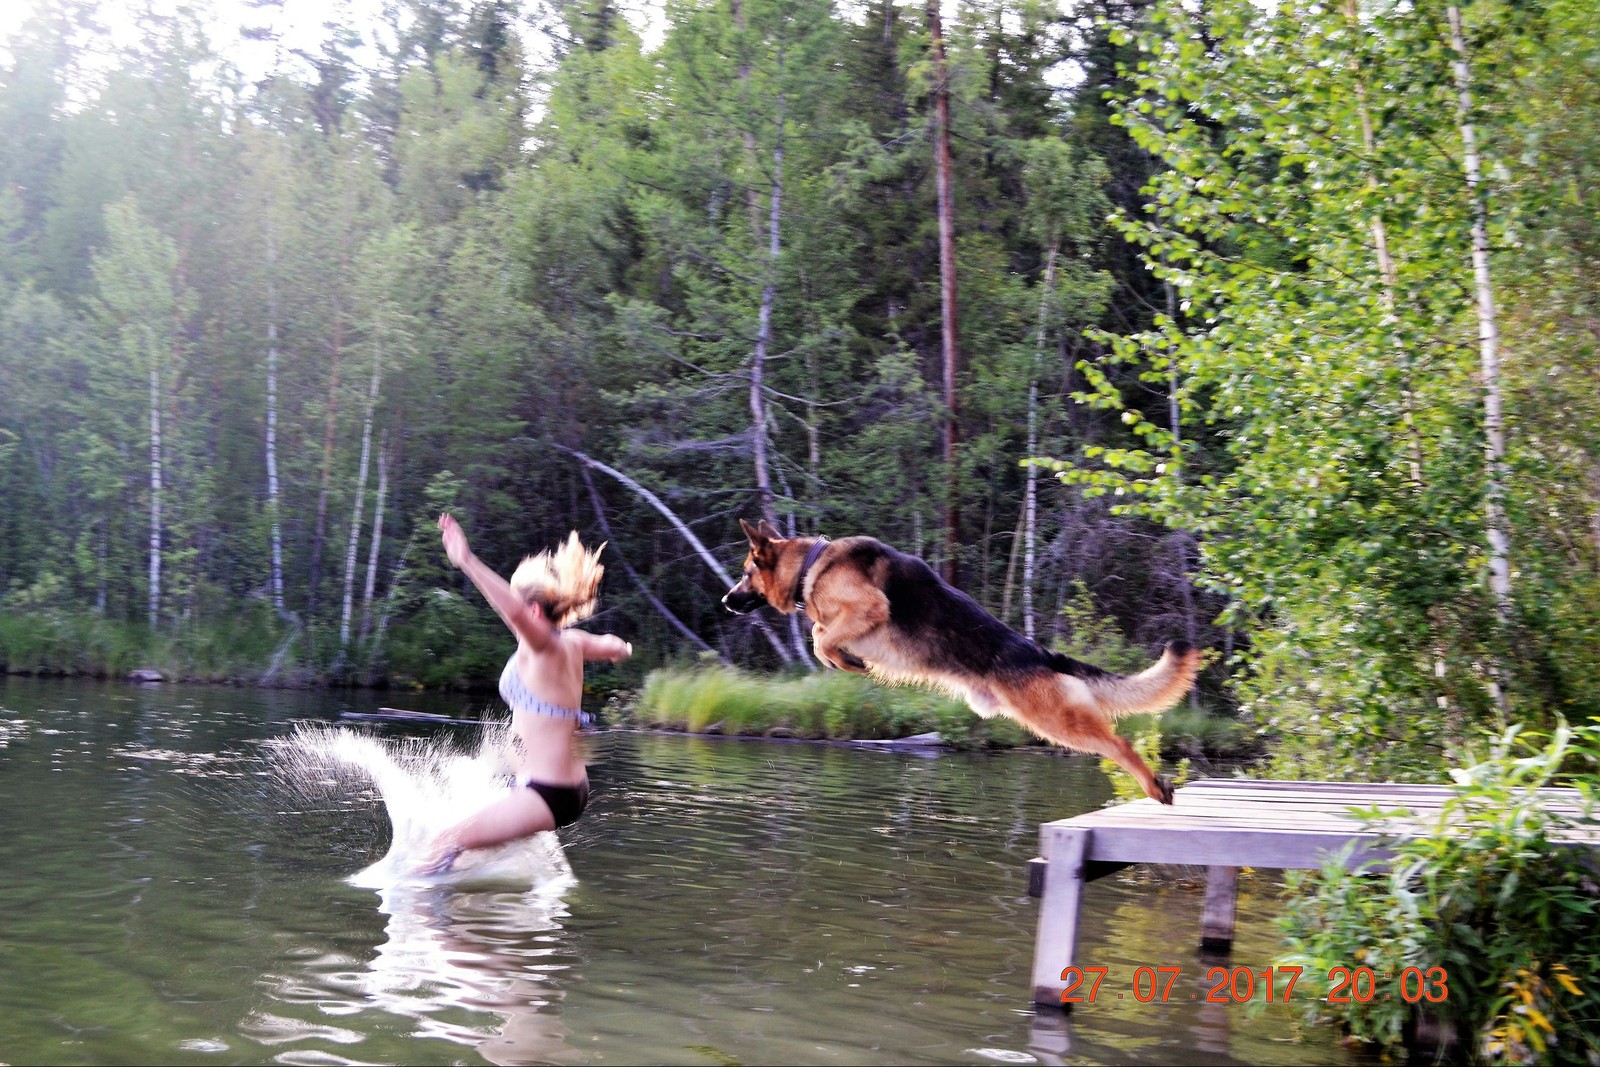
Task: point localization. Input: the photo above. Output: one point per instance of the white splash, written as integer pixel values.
(426, 786)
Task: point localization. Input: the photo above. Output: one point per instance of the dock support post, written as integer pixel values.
(1036, 870)
(1064, 849)
(1222, 893)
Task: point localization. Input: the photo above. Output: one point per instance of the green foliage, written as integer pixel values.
(449, 637)
(1095, 638)
(596, 282)
(1330, 453)
(1483, 892)
(1188, 733)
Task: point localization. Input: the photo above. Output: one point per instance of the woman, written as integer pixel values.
(543, 684)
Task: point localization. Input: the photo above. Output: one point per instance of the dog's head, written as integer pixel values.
(757, 585)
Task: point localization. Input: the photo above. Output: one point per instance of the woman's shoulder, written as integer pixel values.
(566, 646)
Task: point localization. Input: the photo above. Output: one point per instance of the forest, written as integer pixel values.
(1271, 328)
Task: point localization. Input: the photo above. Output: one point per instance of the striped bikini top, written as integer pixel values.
(515, 693)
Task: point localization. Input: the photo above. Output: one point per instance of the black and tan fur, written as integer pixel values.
(882, 612)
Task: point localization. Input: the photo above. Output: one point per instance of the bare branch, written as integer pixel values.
(655, 602)
(688, 535)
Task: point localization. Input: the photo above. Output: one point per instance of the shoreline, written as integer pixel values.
(154, 676)
(619, 709)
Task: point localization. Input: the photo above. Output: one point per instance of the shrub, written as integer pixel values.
(1485, 894)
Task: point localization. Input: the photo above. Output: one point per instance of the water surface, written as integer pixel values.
(164, 898)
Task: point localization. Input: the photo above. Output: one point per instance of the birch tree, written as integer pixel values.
(1353, 457)
(389, 338)
(949, 333)
(139, 304)
(1065, 206)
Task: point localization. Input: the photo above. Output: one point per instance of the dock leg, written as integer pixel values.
(1222, 892)
(1064, 849)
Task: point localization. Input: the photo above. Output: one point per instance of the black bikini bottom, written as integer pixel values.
(566, 802)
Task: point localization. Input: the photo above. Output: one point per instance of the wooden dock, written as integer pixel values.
(1220, 824)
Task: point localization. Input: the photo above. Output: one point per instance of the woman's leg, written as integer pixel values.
(520, 813)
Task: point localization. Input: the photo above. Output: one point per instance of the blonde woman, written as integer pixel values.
(543, 684)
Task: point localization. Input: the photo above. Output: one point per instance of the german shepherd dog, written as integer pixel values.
(881, 612)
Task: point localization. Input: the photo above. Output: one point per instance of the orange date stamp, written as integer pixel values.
(1237, 985)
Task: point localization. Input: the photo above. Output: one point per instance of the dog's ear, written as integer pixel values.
(770, 532)
(754, 534)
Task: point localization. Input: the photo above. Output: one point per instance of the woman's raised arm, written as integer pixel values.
(531, 626)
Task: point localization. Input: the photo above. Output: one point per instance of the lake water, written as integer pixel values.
(166, 896)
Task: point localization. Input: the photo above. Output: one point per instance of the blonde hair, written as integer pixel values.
(564, 582)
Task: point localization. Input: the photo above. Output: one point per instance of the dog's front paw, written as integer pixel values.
(845, 661)
(1164, 787)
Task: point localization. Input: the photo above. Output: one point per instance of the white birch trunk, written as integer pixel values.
(1390, 274)
(361, 495)
(1030, 492)
(377, 541)
(944, 183)
(330, 420)
(1594, 515)
(1175, 421)
(769, 294)
(1495, 474)
(273, 507)
(396, 578)
(155, 491)
(758, 362)
(100, 554)
(1386, 264)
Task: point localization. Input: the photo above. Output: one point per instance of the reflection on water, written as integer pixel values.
(496, 951)
(167, 899)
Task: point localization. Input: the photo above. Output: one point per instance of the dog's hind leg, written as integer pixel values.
(1116, 748)
(1054, 709)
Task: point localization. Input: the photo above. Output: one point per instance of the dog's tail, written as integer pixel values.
(1152, 690)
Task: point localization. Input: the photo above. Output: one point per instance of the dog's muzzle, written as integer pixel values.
(742, 601)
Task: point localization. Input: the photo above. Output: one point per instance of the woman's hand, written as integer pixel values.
(455, 541)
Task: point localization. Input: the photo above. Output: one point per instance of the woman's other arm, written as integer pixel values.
(603, 646)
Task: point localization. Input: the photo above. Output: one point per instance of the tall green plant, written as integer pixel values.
(1480, 917)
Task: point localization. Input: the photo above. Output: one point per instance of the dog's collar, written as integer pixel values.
(805, 568)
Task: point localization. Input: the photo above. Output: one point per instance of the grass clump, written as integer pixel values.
(840, 706)
(830, 705)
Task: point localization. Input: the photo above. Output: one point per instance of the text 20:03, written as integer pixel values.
(1234, 985)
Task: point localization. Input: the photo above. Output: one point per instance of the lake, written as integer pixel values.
(167, 896)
